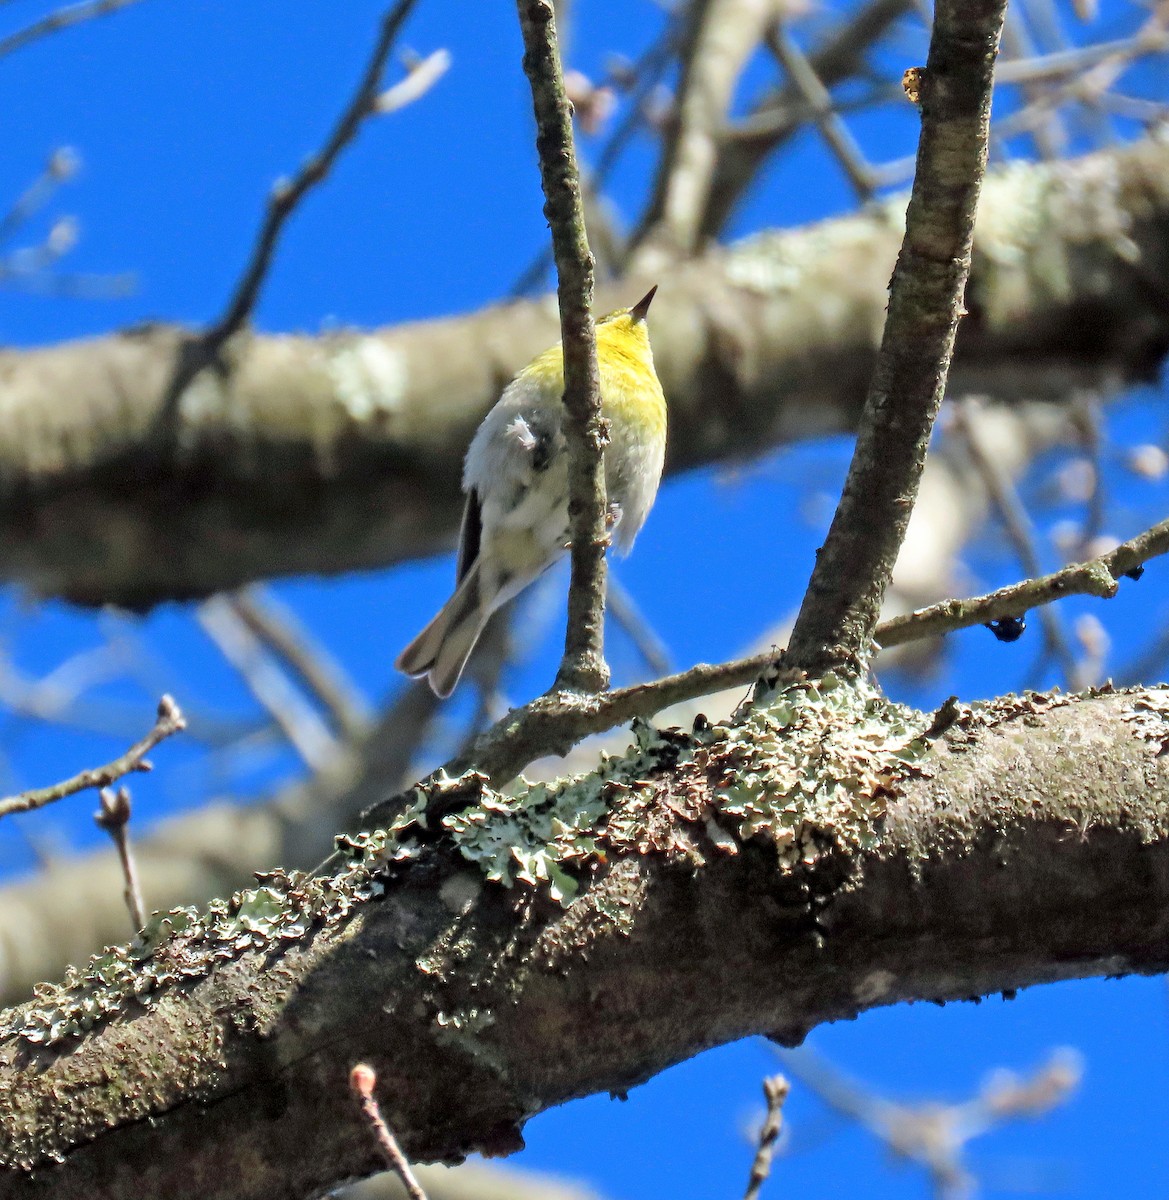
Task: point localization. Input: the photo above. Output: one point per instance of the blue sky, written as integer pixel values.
(183, 115)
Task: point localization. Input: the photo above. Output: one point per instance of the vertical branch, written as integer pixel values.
(775, 1091)
(721, 39)
(583, 667)
(840, 608)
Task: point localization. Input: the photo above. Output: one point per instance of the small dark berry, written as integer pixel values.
(1008, 629)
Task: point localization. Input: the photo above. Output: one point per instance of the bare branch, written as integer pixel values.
(298, 720)
(279, 628)
(1153, 38)
(934, 1135)
(582, 668)
(61, 166)
(1097, 577)
(170, 720)
(723, 35)
(287, 194)
(782, 114)
(775, 1092)
(841, 606)
(363, 1080)
(114, 818)
(833, 130)
(63, 18)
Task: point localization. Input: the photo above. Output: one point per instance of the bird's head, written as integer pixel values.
(625, 328)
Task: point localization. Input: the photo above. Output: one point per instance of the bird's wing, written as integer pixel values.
(469, 535)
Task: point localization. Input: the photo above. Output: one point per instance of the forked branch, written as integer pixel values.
(839, 613)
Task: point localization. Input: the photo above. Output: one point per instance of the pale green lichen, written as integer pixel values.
(369, 376)
(811, 763)
(815, 762)
(1149, 715)
(186, 944)
(808, 765)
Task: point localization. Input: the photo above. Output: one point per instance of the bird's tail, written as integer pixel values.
(441, 650)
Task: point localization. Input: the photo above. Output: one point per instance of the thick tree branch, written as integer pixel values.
(303, 454)
(71, 908)
(843, 601)
(582, 668)
(1028, 844)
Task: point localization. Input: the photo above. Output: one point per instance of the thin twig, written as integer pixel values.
(546, 726)
(840, 609)
(934, 1135)
(287, 194)
(582, 669)
(1089, 420)
(1090, 76)
(72, 285)
(114, 818)
(1020, 532)
(62, 165)
(278, 628)
(624, 610)
(1096, 577)
(782, 113)
(170, 720)
(363, 1080)
(775, 1091)
(1061, 64)
(300, 723)
(1049, 134)
(833, 130)
(63, 18)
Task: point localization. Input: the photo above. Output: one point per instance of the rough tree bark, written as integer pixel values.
(1028, 843)
(323, 454)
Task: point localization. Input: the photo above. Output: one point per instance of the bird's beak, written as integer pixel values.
(638, 311)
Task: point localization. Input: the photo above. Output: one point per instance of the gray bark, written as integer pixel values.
(331, 453)
(1028, 844)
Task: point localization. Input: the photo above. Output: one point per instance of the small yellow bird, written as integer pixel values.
(515, 524)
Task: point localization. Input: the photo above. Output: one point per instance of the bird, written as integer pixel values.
(515, 521)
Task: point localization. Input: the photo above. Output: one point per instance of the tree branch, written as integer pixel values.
(63, 18)
(583, 667)
(1041, 818)
(1096, 577)
(843, 601)
(720, 42)
(781, 114)
(287, 194)
(323, 454)
(170, 720)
